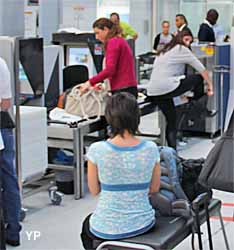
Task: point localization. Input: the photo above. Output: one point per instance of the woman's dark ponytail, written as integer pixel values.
(178, 39)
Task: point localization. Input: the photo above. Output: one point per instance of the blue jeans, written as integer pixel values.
(11, 194)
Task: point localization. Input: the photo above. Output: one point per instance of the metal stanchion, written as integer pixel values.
(221, 69)
(137, 69)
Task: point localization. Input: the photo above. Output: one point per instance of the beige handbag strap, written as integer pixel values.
(92, 92)
(76, 94)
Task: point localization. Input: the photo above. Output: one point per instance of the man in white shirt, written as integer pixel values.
(219, 32)
(10, 194)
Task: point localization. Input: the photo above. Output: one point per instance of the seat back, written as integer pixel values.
(74, 74)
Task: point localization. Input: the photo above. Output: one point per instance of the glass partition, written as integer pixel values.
(225, 9)
(106, 7)
(167, 10)
(195, 11)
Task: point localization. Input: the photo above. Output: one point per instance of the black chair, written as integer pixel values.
(168, 232)
(73, 75)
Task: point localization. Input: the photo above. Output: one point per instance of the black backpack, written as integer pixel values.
(190, 178)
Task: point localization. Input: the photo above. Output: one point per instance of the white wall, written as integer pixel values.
(48, 19)
(11, 17)
(140, 19)
(167, 10)
(30, 19)
(106, 7)
(78, 13)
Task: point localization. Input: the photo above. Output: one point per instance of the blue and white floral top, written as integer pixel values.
(125, 174)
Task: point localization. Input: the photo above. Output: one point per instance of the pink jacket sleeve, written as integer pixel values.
(112, 56)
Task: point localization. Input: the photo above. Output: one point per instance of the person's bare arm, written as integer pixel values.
(189, 58)
(155, 181)
(205, 75)
(93, 181)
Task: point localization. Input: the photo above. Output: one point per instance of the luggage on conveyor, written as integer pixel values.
(192, 115)
(147, 58)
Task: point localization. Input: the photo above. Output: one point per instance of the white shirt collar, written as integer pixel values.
(181, 27)
(208, 23)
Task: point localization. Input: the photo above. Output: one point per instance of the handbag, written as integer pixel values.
(90, 104)
(218, 170)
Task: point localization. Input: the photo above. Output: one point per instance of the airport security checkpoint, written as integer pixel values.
(117, 124)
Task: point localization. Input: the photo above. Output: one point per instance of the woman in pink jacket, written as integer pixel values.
(119, 68)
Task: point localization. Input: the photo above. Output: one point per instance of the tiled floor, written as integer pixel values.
(49, 227)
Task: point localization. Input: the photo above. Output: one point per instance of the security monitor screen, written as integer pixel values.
(25, 87)
(78, 56)
(22, 75)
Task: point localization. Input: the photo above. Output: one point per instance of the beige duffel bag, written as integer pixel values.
(90, 104)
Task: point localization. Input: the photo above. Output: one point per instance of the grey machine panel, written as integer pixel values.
(211, 56)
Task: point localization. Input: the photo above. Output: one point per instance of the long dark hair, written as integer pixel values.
(178, 39)
(115, 29)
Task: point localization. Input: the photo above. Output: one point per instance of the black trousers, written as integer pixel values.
(166, 104)
(89, 240)
(130, 90)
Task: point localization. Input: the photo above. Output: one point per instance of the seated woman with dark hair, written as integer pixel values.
(124, 170)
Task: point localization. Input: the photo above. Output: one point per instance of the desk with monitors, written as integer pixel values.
(80, 56)
(81, 49)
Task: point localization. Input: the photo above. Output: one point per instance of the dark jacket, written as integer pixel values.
(206, 33)
(186, 28)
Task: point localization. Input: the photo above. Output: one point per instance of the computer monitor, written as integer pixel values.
(80, 56)
(25, 86)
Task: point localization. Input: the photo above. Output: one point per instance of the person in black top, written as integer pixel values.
(206, 32)
(181, 24)
(163, 38)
